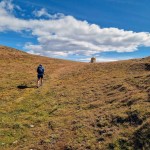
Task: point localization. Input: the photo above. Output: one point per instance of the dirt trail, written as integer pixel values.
(66, 69)
(50, 80)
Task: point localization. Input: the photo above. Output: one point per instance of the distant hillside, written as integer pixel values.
(81, 106)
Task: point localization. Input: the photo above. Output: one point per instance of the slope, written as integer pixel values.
(81, 105)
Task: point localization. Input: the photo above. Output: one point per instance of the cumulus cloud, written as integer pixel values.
(61, 35)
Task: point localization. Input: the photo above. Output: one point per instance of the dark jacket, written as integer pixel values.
(40, 70)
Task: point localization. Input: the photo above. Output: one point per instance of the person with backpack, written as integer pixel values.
(40, 73)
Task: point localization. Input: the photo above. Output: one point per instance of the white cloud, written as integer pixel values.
(43, 12)
(7, 4)
(65, 35)
(40, 13)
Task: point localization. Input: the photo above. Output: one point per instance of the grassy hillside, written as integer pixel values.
(81, 106)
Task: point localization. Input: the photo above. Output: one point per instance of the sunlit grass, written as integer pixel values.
(80, 106)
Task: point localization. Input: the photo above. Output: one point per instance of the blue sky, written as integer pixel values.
(77, 30)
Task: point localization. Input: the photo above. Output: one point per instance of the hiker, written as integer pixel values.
(40, 71)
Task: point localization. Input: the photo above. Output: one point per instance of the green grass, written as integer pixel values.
(80, 106)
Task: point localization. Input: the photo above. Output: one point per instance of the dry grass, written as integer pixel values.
(81, 106)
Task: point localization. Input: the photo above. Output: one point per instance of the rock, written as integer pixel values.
(31, 126)
(15, 142)
(25, 140)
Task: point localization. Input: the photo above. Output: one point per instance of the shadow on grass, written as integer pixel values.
(25, 87)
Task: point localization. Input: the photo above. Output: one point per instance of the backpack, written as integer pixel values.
(40, 70)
